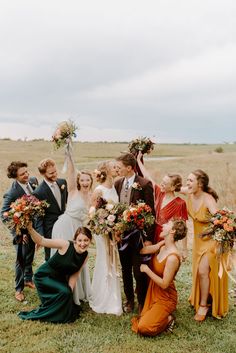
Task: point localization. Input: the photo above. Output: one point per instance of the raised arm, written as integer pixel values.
(171, 267)
(143, 169)
(152, 249)
(72, 173)
(59, 244)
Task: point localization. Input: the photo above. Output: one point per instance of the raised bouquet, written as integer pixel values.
(22, 212)
(143, 144)
(223, 230)
(64, 133)
(104, 217)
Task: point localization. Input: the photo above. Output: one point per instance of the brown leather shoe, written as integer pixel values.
(20, 296)
(129, 307)
(30, 285)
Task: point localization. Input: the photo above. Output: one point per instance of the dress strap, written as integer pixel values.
(174, 253)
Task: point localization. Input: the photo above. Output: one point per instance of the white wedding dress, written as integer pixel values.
(64, 228)
(106, 289)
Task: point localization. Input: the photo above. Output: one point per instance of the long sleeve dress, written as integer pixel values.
(176, 208)
(51, 281)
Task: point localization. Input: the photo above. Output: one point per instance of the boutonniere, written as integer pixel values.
(63, 187)
(34, 186)
(136, 186)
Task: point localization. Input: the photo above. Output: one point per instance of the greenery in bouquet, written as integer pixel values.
(22, 212)
(223, 230)
(64, 133)
(143, 144)
(137, 216)
(104, 217)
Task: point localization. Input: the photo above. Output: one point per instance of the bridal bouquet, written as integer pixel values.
(64, 133)
(22, 212)
(104, 217)
(136, 217)
(143, 144)
(223, 230)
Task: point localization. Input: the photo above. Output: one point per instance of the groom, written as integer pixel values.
(132, 188)
(54, 191)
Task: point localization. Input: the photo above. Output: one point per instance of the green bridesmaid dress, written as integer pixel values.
(51, 281)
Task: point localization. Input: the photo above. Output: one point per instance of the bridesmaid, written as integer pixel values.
(56, 278)
(167, 204)
(161, 298)
(208, 289)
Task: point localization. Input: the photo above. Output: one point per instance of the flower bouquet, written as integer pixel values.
(22, 212)
(105, 216)
(134, 223)
(223, 230)
(143, 144)
(64, 133)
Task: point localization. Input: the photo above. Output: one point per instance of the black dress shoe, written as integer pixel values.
(129, 307)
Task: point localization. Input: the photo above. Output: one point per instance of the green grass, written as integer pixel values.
(94, 333)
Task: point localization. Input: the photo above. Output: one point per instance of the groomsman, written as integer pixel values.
(132, 188)
(24, 245)
(54, 191)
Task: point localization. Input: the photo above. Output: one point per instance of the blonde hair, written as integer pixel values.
(102, 171)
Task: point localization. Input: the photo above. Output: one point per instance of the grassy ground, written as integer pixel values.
(94, 333)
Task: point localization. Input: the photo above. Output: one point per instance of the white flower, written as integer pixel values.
(136, 186)
(109, 206)
(63, 187)
(111, 218)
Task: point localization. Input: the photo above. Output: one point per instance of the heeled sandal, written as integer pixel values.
(171, 324)
(201, 317)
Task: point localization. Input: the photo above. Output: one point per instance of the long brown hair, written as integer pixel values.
(203, 179)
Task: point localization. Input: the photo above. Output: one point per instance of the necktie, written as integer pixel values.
(56, 193)
(28, 188)
(126, 186)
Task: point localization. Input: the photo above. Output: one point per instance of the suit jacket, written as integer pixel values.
(43, 192)
(145, 194)
(15, 192)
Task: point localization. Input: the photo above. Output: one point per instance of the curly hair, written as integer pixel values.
(176, 181)
(180, 227)
(44, 164)
(13, 168)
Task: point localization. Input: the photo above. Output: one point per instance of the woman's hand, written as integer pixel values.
(139, 156)
(144, 268)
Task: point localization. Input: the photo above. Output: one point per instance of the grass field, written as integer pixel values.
(94, 333)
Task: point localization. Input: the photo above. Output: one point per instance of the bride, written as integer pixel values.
(106, 290)
(76, 213)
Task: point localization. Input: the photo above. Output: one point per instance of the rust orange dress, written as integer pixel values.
(218, 286)
(176, 208)
(159, 304)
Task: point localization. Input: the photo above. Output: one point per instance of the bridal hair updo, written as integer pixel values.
(203, 181)
(102, 171)
(176, 181)
(13, 168)
(84, 172)
(44, 164)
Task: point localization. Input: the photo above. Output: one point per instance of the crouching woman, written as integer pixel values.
(161, 298)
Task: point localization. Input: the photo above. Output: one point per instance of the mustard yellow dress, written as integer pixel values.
(201, 246)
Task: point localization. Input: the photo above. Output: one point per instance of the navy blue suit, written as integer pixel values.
(23, 268)
(44, 192)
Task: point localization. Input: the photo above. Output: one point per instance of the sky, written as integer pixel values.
(165, 69)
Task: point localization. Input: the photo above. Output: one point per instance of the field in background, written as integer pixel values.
(106, 333)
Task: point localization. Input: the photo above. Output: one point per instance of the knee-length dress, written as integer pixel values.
(51, 281)
(218, 286)
(159, 304)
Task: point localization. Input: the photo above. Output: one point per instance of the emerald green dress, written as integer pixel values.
(51, 281)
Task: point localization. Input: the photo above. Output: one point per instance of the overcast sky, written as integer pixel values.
(119, 69)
